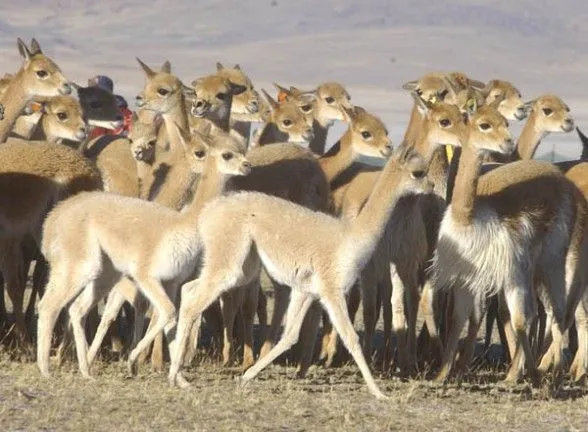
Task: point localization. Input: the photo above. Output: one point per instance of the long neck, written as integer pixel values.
(466, 183)
(338, 159)
(172, 182)
(176, 115)
(319, 142)
(210, 185)
(414, 125)
(145, 177)
(271, 134)
(367, 229)
(14, 101)
(529, 139)
(242, 128)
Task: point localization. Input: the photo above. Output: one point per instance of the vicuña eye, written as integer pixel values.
(547, 111)
(221, 96)
(306, 108)
(366, 135)
(152, 143)
(42, 74)
(227, 156)
(485, 126)
(329, 99)
(200, 154)
(62, 116)
(417, 174)
(287, 122)
(162, 91)
(445, 123)
(443, 93)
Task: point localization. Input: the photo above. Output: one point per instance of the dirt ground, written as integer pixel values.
(327, 399)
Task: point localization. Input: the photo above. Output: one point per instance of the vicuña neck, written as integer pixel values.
(210, 185)
(367, 228)
(338, 158)
(321, 129)
(466, 183)
(176, 115)
(14, 101)
(271, 134)
(529, 139)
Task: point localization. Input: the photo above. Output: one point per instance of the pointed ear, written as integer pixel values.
(206, 129)
(529, 105)
(76, 86)
(478, 85)
(410, 85)
(219, 66)
(348, 114)
(166, 67)
(280, 88)
(188, 91)
(271, 101)
(148, 71)
(35, 47)
(297, 92)
(23, 49)
(183, 135)
(236, 89)
(195, 82)
(237, 66)
(422, 105)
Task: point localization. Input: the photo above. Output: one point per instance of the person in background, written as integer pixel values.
(107, 84)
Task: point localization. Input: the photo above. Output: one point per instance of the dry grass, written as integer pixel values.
(332, 399)
(327, 399)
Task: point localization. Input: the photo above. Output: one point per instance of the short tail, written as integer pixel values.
(584, 140)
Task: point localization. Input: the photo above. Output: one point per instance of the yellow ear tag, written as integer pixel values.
(449, 152)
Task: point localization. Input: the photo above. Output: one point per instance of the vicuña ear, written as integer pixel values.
(237, 89)
(271, 100)
(237, 66)
(148, 71)
(23, 49)
(35, 107)
(35, 47)
(188, 92)
(166, 67)
(410, 85)
(422, 105)
(219, 66)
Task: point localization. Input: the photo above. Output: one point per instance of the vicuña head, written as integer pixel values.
(213, 96)
(143, 138)
(289, 122)
(62, 118)
(488, 131)
(246, 102)
(507, 98)
(443, 125)
(367, 133)
(550, 114)
(162, 89)
(39, 75)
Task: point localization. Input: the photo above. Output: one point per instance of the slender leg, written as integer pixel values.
(299, 304)
(114, 302)
(308, 336)
(250, 307)
(369, 293)
(281, 299)
(336, 307)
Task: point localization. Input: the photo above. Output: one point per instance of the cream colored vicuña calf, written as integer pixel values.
(80, 233)
(365, 136)
(320, 261)
(502, 232)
